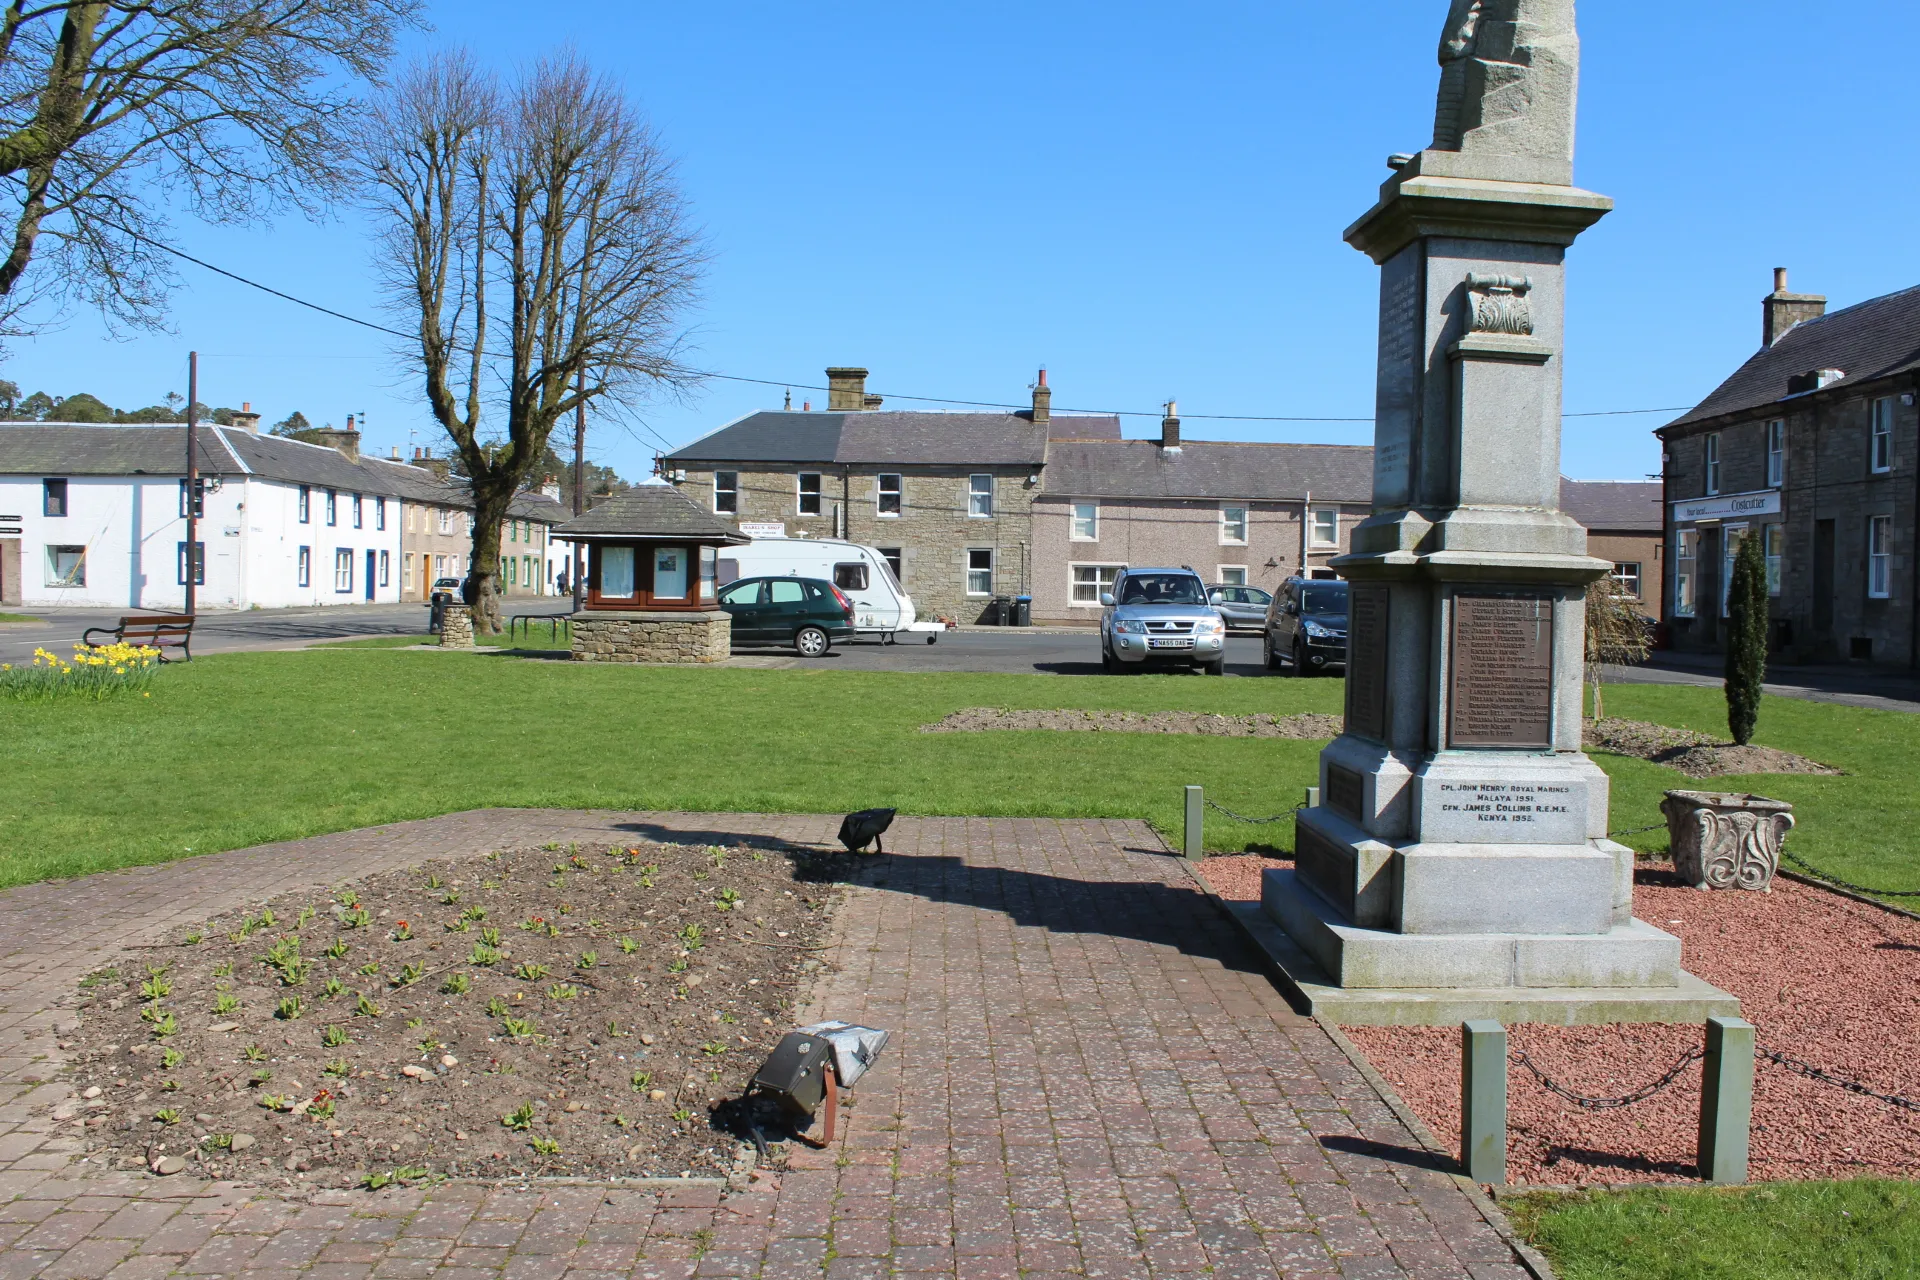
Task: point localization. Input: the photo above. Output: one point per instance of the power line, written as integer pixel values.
(806, 386)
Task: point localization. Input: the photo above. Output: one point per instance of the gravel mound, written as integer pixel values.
(586, 1011)
(1694, 754)
(978, 719)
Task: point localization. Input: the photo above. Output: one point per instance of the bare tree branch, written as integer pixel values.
(554, 201)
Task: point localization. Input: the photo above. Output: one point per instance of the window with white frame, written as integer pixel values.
(306, 504)
(1232, 575)
(380, 513)
(980, 495)
(333, 507)
(1882, 448)
(1233, 525)
(886, 494)
(1776, 549)
(383, 568)
(1711, 445)
(343, 569)
(1776, 453)
(1086, 522)
(303, 567)
(979, 571)
(1326, 527)
(199, 564)
(446, 519)
(1091, 581)
(1731, 536)
(1879, 557)
(1627, 574)
(53, 497)
(469, 524)
(1686, 575)
(896, 563)
(726, 491)
(199, 498)
(66, 566)
(809, 500)
(356, 511)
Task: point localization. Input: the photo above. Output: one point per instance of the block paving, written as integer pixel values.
(1089, 1077)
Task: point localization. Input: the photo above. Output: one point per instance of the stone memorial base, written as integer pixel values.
(456, 627)
(663, 636)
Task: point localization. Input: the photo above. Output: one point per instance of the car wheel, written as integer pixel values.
(1107, 663)
(1218, 667)
(1300, 667)
(810, 642)
(1266, 647)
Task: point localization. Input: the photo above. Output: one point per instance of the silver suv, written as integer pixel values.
(1161, 616)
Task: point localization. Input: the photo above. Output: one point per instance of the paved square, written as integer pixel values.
(1089, 1077)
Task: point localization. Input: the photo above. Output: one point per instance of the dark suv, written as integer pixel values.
(1307, 627)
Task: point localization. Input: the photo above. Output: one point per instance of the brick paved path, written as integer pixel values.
(1089, 1078)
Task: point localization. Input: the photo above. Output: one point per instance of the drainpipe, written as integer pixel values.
(846, 499)
(1306, 531)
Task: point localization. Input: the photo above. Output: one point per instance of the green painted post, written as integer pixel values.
(1313, 797)
(1192, 846)
(1726, 1101)
(1483, 1101)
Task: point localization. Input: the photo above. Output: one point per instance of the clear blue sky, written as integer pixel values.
(1147, 198)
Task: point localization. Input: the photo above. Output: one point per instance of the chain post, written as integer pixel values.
(1313, 798)
(1726, 1101)
(1192, 846)
(1483, 1101)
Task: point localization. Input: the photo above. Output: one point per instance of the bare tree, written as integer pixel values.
(112, 109)
(1616, 631)
(534, 234)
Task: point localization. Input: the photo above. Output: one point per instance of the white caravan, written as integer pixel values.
(881, 607)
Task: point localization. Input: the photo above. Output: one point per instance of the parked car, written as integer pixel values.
(1307, 627)
(807, 613)
(1240, 606)
(445, 589)
(1156, 616)
(881, 607)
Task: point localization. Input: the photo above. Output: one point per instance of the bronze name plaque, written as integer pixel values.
(1367, 661)
(1501, 686)
(1346, 792)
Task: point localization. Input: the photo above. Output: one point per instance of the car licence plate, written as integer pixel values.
(1169, 644)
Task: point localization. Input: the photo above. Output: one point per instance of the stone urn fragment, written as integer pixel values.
(1726, 840)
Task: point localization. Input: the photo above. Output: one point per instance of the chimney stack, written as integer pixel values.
(847, 391)
(1042, 401)
(347, 441)
(1170, 427)
(247, 420)
(1780, 310)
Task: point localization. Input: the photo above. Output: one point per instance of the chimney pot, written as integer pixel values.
(1170, 426)
(1781, 311)
(1042, 401)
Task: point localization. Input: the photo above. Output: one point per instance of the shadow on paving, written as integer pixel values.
(1416, 1157)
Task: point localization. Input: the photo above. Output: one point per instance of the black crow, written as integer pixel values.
(858, 830)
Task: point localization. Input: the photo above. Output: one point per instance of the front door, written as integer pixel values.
(9, 571)
(370, 577)
(1823, 548)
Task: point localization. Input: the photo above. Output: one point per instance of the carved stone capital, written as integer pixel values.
(1500, 304)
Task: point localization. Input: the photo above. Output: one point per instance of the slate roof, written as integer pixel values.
(650, 511)
(1207, 470)
(1868, 340)
(1085, 426)
(905, 437)
(1613, 506)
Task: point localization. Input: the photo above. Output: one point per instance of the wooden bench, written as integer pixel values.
(162, 631)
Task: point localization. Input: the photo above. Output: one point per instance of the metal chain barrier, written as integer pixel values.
(1634, 831)
(1832, 879)
(1520, 1058)
(1812, 1072)
(1241, 817)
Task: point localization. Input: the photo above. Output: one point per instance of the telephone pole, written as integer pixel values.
(191, 560)
(579, 484)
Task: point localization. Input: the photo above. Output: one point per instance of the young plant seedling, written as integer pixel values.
(415, 1022)
(218, 1142)
(475, 914)
(434, 882)
(459, 926)
(408, 975)
(334, 1036)
(520, 1117)
(563, 991)
(729, 900)
(225, 1003)
(254, 1053)
(483, 955)
(647, 873)
(678, 966)
(321, 1108)
(332, 987)
(628, 946)
(165, 1025)
(370, 968)
(171, 1058)
(289, 1008)
(490, 936)
(496, 1008)
(588, 959)
(337, 1068)
(156, 988)
(167, 1115)
(402, 931)
(545, 1146)
(224, 969)
(642, 1080)
(306, 913)
(366, 1008)
(337, 951)
(713, 1048)
(518, 1028)
(259, 1076)
(530, 972)
(348, 899)
(196, 937)
(457, 984)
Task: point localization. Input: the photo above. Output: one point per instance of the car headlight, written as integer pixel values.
(1209, 627)
(1130, 626)
(1318, 632)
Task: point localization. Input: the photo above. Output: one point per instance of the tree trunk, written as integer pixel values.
(482, 588)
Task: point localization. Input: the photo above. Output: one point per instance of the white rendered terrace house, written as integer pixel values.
(94, 516)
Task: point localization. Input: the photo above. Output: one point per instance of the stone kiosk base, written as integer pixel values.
(675, 636)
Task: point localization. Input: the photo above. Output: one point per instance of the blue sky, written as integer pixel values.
(1146, 198)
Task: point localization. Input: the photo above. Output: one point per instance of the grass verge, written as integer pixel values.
(1867, 1229)
(17, 617)
(237, 749)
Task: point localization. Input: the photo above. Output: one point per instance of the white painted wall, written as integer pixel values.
(132, 530)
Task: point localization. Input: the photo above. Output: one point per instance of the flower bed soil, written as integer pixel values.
(978, 719)
(578, 1011)
(1695, 754)
(1825, 979)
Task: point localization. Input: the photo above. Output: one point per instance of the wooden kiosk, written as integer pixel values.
(651, 554)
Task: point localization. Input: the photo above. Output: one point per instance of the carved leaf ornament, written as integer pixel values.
(1725, 846)
(1500, 304)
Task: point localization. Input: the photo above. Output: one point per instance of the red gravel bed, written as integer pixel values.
(1823, 978)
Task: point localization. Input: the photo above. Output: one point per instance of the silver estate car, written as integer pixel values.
(1155, 616)
(1240, 605)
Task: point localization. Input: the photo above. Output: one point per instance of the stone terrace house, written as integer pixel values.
(1623, 523)
(437, 541)
(948, 497)
(1250, 514)
(1810, 446)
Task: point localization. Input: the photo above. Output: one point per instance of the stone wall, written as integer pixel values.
(456, 627)
(933, 530)
(656, 636)
(1823, 611)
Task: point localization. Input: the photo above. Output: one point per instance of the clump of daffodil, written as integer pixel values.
(94, 672)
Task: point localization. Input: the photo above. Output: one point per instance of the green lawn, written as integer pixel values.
(17, 617)
(1863, 1230)
(235, 749)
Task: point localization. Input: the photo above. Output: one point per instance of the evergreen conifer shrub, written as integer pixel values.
(1746, 638)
